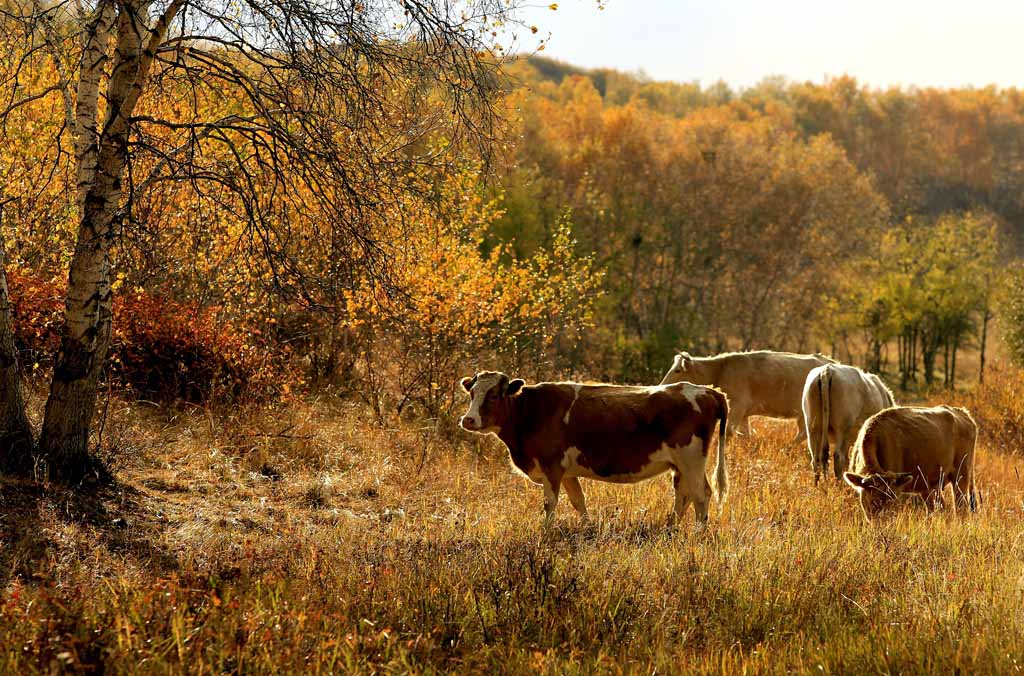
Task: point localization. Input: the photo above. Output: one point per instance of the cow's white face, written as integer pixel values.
(489, 393)
(682, 363)
(877, 491)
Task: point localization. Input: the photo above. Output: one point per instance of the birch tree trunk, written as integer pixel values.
(102, 157)
(15, 432)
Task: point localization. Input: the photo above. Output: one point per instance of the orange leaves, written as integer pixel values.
(462, 300)
(160, 348)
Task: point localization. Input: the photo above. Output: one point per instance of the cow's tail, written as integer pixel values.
(825, 392)
(721, 468)
(972, 499)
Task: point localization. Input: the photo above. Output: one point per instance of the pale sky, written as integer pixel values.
(880, 42)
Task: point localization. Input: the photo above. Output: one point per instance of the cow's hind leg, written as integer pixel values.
(576, 497)
(700, 506)
(815, 463)
(691, 481)
(801, 433)
(822, 461)
(840, 457)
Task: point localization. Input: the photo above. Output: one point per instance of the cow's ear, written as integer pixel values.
(468, 382)
(856, 480)
(515, 386)
(901, 482)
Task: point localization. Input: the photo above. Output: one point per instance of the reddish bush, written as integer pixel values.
(37, 309)
(160, 348)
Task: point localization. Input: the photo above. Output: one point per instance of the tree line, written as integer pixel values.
(872, 224)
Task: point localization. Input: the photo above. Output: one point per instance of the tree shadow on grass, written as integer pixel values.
(39, 522)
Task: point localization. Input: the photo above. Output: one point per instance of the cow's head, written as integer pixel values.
(682, 363)
(490, 394)
(878, 490)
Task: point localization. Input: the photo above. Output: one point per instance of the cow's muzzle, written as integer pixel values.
(470, 424)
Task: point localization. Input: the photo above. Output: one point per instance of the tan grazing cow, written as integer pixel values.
(837, 400)
(914, 450)
(757, 383)
(558, 433)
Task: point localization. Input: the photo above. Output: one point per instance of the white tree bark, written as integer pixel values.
(102, 156)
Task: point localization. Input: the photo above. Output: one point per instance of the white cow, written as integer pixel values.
(757, 383)
(837, 400)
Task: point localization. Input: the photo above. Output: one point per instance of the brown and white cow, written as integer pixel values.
(909, 449)
(757, 383)
(558, 433)
(837, 400)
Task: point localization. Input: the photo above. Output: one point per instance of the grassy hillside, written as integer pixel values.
(308, 539)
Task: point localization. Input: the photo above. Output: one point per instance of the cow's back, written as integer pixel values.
(772, 382)
(928, 441)
(615, 430)
(856, 395)
(882, 394)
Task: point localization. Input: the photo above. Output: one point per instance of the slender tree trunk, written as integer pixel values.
(952, 366)
(901, 358)
(929, 352)
(913, 353)
(945, 363)
(15, 431)
(102, 157)
(64, 441)
(986, 317)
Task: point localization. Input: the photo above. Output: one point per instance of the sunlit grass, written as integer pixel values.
(339, 546)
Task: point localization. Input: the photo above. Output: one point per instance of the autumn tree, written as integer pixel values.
(719, 230)
(928, 285)
(276, 118)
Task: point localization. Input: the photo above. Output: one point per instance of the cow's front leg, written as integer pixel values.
(742, 424)
(739, 423)
(576, 497)
(963, 493)
(682, 498)
(933, 499)
(551, 483)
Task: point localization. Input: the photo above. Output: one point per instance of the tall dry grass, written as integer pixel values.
(307, 539)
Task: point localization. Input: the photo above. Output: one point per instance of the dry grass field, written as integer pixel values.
(310, 540)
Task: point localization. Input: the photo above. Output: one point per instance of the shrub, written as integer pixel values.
(998, 408)
(37, 308)
(160, 348)
(462, 309)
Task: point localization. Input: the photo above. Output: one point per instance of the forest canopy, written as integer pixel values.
(758, 218)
